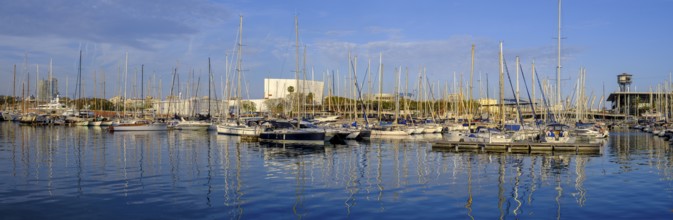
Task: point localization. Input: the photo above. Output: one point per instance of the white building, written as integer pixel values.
(488, 105)
(278, 88)
(194, 106)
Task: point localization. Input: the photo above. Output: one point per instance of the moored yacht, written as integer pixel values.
(284, 132)
(488, 135)
(558, 133)
(140, 125)
(192, 125)
(591, 131)
(385, 131)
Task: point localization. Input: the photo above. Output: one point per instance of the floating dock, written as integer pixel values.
(519, 147)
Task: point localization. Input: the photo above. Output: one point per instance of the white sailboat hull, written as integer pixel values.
(193, 125)
(456, 136)
(381, 133)
(238, 130)
(140, 127)
(82, 123)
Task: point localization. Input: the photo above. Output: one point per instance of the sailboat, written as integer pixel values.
(140, 124)
(192, 125)
(238, 126)
(488, 135)
(286, 132)
(558, 133)
(394, 129)
(81, 115)
(201, 125)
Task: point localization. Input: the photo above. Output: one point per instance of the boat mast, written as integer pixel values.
(14, 89)
(313, 98)
(37, 82)
(502, 87)
(142, 89)
(296, 70)
(533, 84)
(303, 86)
(239, 64)
(516, 91)
(126, 74)
(354, 65)
(210, 75)
(397, 95)
(470, 101)
(79, 79)
(227, 89)
(380, 85)
(558, 66)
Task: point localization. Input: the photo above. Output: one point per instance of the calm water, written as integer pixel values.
(88, 173)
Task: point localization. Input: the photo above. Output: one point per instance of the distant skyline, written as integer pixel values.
(606, 37)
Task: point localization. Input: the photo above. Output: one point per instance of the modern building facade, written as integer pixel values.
(47, 89)
(282, 88)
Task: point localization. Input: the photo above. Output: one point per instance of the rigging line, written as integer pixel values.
(364, 113)
(550, 117)
(518, 108)
(432, 95)
(532, 105)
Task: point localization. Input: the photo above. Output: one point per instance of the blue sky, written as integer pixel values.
(607, 37)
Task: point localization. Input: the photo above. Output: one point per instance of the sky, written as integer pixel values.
(606, 37)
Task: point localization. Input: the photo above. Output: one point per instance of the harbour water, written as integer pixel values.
(89, 173)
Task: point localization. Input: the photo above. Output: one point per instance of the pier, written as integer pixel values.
(519, 147)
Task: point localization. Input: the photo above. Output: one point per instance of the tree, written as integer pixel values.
(248, 106)
(309, 98)
(290, 89)
(275, 106)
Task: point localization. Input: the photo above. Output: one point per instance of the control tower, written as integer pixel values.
(624, 81)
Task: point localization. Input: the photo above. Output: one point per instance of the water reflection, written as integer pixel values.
(194, 174)
(519, 178)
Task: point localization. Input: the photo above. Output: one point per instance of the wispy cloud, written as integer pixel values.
(391, 33)
(124, 22)
(441, 58)
(339, 33)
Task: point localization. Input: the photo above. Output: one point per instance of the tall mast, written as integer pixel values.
(313, 98)
(95, 90)
(380, 85)
(502, 87)
(517, 80)
(79, 78)
(488, 101)
(239, 64)
(226, 94)
(126, 74)
(558, 66)
(142, 89)
(397, 94)
(37, 84)
(533, 82)
(14, 87)
(353, 90)
(296, 70)
(471, 79)
(210, 75)
(369, 86)
(50, 85)
(303, 86)
(406, 92)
